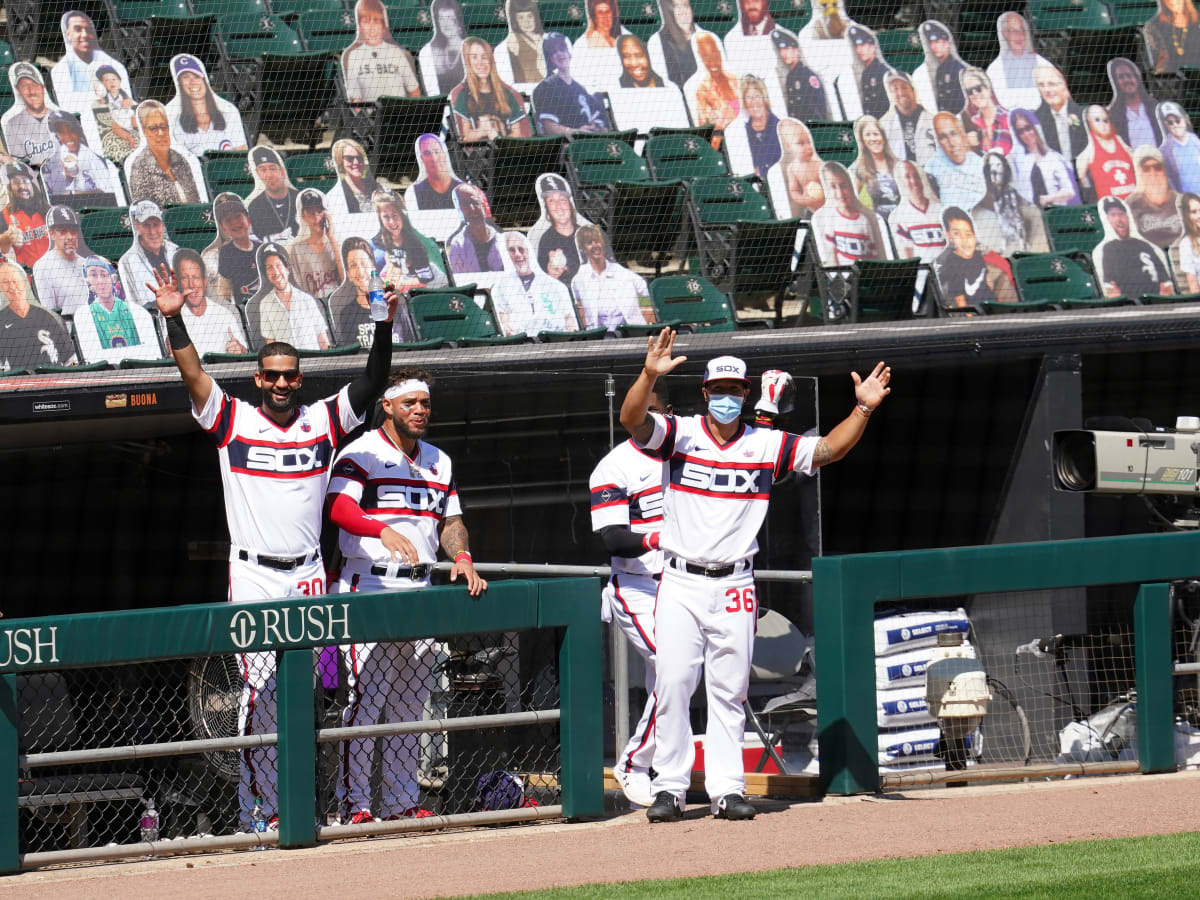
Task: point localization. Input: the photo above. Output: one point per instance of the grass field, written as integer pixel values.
(1159, 866)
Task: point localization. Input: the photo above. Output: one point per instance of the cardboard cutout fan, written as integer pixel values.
(58, 274)
(606, 293)
(750, 50)
(1127, 264)
(795, 181)
(315, 250)
(441, 59)
(907, 124)
(712, 93)
(1185, 253)
(956, 169)
(519, 59)
(150, 251)
(866, 92)
(484, 107)
(966, 275)
(1173, 36)
(404, 257)
(844, 228)
(110, 122)
(552, 236)
(231, 260)
(30, 334)
(806, 95)
(670, 48)
(475, 250)
(110, 327)
(279, 309)
(1004, 220)
(1063, 122)
(1133, 110)
(349, 307)
(937, 79)
(213, 325)
(916, 223)
(272, 203)
(527, 299)
(349, 201)
(752, 139)
(875, 178)
(1154, 204)
(641, 98)
(72, 74)
(824, 46)
(26, 124)
(74, 174)
(1043, 176)
(562, 103)
(983, 117)
(430, 199)
(594, 60)
(1180, 147)
(25, 237)
(1105, 167)
(374, 65)
(159, 170)
(201, 120)
(1011, 72)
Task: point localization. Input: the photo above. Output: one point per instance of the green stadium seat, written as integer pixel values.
(411, 26)
(1133, 12)
(1055, 278)
(228, 174)
(107, 232)
(249, 35)
(999, 307)
(455, 317)
(1073, 228)
(329, 30)
(343, 350)
(564, 16)
(1060, 15)
(683, 156)
(397, 123)
(223, 7)
(1166, 299)
(485, 19)
(795, 14)
(882, 290)
(722, 201)
(595, 165)
(647, 222)
(292, 9)
(311, 170)
(901, 47)
(560, 337)
(693, 302)
(190, 225)
(505, 172)
(150, 41)
(834, 141)
(716, 15)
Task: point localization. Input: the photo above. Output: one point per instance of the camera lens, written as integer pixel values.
(1075, 461)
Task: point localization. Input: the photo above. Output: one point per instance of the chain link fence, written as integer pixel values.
(124, 754)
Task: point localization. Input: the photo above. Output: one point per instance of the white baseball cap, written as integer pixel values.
(725, 367)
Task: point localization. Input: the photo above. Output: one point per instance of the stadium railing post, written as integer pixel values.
(845, 590)
(10, 848)
(297, 749)
(1154, 672)
(580, 701)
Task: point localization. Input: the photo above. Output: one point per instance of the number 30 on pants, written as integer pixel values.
(740, 600)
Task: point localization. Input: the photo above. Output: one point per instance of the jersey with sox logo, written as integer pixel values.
(274, 476)
(626, 488)
(717, 493)
(412, 495)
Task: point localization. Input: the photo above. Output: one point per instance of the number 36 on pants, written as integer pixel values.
(739, 600)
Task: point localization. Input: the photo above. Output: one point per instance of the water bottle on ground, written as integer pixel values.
(258, 819)
(149, 822)
(379, 307)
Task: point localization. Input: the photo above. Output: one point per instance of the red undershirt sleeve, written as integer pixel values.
(346, 514)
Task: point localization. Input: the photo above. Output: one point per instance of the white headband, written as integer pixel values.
(405, 387)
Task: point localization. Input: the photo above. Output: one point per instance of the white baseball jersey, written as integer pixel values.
(626, 488)
(413, 496)
(275, 476)
(717, 493)
(918, 231)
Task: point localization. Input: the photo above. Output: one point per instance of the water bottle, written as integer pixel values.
(149, 822)
(379, 307)
(258, 819)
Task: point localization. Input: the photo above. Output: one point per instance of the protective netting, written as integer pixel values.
(573, 170)
(97, 800)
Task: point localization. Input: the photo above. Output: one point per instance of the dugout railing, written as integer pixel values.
(848, 588)
(294, 628)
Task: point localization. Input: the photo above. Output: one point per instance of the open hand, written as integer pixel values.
(874, 388)
(658, 354)
(475, 584)
(400, 547)
(166, 292)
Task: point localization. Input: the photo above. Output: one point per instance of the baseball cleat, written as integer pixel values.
(666, 808)
(413, 812)
(635, 785)
(362, 817)
(733, 807)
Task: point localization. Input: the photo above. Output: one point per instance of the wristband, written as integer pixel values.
(650, 541)
(460, 554)
(177, 335)
(865, 410)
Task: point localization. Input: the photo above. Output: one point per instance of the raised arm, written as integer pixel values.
(869, 393)
(170, 303)
(371, 383)
(635, 416)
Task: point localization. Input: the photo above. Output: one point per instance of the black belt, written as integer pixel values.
(416, 573)
(707, 571)
(279, 563)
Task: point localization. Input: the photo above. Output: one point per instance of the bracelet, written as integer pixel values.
(865, 410)
(460, 554)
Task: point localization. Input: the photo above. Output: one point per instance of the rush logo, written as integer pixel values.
(691, 475)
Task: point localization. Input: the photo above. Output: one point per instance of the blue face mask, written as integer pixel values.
(724, 408)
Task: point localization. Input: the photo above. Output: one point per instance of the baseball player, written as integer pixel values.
(394, 499)
(275, 463)
(718, 481)
(627, 496)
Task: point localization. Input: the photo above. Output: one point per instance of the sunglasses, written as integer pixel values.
(1022, 129)
(270, 376)
(155, 129)
(348, 159)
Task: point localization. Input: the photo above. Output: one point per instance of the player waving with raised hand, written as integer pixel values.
(275, 463)
(718, 481)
